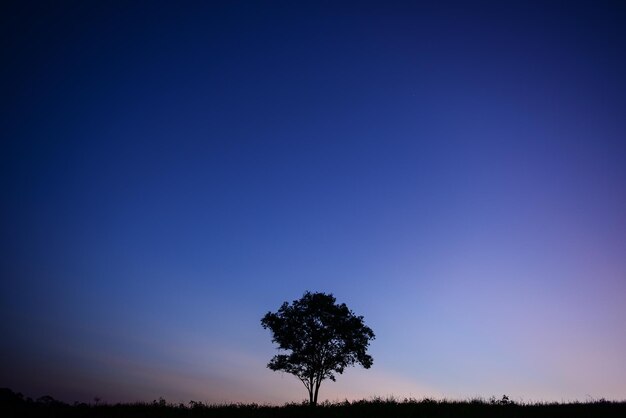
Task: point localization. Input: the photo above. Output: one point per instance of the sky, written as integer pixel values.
(455, 172)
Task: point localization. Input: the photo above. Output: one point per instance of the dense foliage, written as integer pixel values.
(321, 339)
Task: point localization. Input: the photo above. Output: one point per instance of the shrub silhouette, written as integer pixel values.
(322, 336)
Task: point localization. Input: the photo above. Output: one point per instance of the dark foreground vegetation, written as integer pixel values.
(15, 405)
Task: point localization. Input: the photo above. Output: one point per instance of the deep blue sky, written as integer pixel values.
(454, 171)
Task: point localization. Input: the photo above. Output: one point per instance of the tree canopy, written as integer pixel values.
(321, 337)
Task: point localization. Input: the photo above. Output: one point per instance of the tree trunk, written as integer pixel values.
(311, 401)
(317, 390)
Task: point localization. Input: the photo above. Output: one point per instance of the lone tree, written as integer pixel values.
(324, 338)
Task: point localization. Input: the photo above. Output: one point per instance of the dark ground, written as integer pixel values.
(15, 405)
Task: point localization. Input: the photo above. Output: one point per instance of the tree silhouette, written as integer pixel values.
(324, 338)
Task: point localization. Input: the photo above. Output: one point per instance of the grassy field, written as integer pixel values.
(14, 405)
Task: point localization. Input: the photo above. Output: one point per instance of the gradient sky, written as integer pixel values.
(455, 172)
